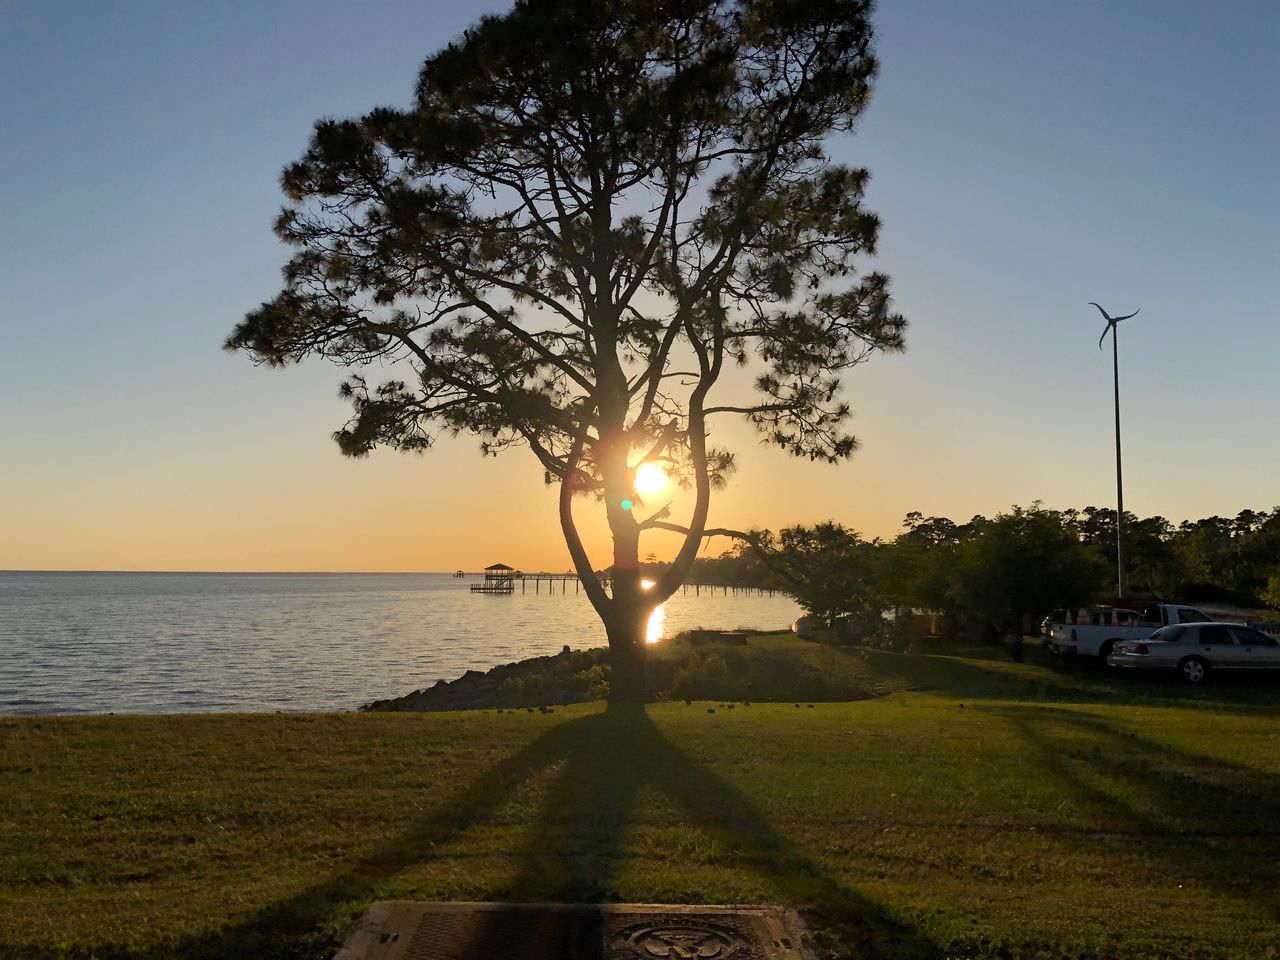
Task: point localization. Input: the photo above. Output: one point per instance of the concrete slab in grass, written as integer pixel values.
(415, 930)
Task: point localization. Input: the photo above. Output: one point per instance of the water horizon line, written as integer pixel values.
(238, 573)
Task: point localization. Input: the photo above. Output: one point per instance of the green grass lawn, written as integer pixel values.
(977, 808)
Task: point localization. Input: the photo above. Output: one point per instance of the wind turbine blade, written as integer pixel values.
(1107, 329)
(1134, 314)
(1101, 311)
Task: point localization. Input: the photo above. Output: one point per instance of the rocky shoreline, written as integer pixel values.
(567, 677)
(697, 665)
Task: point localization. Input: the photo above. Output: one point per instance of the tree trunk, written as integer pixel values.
(628, 619)
(1015, 639)
(625, 613)
(627, 653)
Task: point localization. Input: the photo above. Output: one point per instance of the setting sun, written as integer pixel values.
(650, 479)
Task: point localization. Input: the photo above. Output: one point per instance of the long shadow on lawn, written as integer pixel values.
(573, 853)
(1050, 679)
(1204, 818)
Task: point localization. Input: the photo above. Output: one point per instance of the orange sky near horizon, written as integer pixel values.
(280, 497)
(293, 503)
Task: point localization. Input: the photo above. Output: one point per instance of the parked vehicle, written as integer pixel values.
(1195, 650)
(1094, 631)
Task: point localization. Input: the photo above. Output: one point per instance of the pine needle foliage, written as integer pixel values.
(592, 209)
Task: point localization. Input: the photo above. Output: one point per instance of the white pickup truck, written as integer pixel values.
(1093, 631)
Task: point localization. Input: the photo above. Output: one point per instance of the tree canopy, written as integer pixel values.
(829, 571)
(1021, 565)
(592, 209)
(1005, 573)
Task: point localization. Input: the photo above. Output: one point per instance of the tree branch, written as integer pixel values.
(581, 561)
(751, 539)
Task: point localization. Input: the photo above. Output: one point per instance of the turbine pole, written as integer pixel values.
(1115, 372)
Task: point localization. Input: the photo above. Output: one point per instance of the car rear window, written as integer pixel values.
(1169, 634)
(1248, 635)
(1187, 615)
(1215, 636)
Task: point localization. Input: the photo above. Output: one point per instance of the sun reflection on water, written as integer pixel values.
(657, 620)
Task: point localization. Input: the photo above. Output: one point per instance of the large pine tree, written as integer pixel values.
(592, 208)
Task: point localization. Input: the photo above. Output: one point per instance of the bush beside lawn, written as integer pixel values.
(772, 666)
(977, 808)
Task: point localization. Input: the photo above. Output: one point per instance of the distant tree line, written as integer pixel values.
(998, 576)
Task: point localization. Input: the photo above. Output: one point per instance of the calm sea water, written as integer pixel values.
(186, 642)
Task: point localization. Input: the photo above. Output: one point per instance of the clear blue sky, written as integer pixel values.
(1027, 157)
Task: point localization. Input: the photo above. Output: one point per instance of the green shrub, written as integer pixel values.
(593, 683)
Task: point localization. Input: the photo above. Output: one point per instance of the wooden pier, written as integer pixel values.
(498, 578)
(505, 583)
(487, 586)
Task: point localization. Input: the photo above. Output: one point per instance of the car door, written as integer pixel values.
(1218, 646)
(1255, 650)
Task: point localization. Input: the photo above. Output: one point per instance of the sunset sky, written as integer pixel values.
(1027, 157)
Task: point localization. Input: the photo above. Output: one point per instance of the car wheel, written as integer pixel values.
(1104, 651)
(1193, 670)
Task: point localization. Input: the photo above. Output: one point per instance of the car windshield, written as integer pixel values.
(1169, 634)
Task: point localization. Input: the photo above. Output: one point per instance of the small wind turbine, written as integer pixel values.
(1111, 327)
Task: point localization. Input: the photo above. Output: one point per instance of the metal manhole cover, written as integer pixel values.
(412, 930)
(681, 938)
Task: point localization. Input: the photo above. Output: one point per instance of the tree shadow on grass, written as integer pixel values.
(575, 854)
(1202, 818)
(572, 853)
(1044, 678)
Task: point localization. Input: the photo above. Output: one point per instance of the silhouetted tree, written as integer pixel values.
(1021, 565)
(1155, 566)
(593, 208)
(827, 569)
(914, 570)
